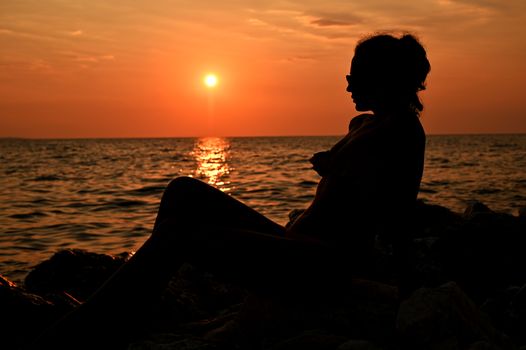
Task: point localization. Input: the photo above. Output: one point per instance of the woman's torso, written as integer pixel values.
(373, 177)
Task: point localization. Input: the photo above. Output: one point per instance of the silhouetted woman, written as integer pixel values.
(369, 184)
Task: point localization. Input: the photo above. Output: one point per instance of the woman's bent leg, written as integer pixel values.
(237, 243)
(191, 200)
(227, 237)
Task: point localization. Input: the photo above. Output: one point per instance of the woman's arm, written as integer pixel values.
(317, 217)
(321, 161)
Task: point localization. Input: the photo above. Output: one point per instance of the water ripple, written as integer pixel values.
(103, 194)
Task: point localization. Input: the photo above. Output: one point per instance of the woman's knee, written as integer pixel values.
(182, 183)
(182, 188)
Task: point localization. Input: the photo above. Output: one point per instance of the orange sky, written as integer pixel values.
(135, 68)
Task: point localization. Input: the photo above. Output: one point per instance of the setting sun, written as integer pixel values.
(210, 80)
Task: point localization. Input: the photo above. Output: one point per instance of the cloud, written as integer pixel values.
(300, 58)
(85, 57)
(36, 65)
(257, 22)
(454, 16)
(29, 33)
(305, 24)
(329, 22)
(93, 58)
(492, 4)
(76, 33)
(334, 19)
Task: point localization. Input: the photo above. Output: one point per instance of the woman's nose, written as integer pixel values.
(349, 83)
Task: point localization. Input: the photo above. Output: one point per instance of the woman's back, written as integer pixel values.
(373, 175)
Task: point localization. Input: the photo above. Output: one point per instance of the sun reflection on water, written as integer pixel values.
(211, 154)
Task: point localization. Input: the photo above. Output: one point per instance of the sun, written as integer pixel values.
(210, 80)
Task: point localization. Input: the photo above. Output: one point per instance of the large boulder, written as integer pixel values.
(367, 311)
(74, 271)
(432, 220)
(194, 294)
(24, 315)
(311, 340)
(486, 253)
(433, 317)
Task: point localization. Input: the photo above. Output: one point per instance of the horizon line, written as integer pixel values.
(221, 136)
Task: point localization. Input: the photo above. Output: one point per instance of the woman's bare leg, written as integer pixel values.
(188, 199)
(202, 225)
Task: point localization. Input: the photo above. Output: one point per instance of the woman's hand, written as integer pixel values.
(320, 162)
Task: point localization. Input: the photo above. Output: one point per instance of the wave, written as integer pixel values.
(49, 196)
(47, 178)
(307, 183)
(28, 215)
(487, 190)
(427, 190)
(119, 203)
(440, 160)
(147, 190)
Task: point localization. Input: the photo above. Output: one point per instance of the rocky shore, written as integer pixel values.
(468, 278)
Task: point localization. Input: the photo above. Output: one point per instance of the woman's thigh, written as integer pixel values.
(210, 229)
(188, 200)
(264, 263)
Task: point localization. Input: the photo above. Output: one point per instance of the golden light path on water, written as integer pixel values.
(211, 154)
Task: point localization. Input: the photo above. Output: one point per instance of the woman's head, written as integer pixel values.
(387, 72)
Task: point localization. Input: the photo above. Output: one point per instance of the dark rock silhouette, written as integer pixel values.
(470, 293)
(73, 271)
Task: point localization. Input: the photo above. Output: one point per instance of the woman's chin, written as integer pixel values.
(361, 108)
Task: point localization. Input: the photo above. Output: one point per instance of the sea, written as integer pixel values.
(103, 194)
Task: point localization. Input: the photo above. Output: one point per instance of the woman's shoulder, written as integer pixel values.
(409, 129)
(357, 121)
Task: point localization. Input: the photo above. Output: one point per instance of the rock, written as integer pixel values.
(499, 308)
(368, 312)
(475, 208)
(428, 268)
(434, 315)
(193, 295)
(358, 345)
(226, 334)
(482, 345)
(311, 340)
(450, 343)
(5, 283)
(433, 220)
(24, 314)
(74, 271)
(173, 341)
(518, 316)
(518, 303)
(485, 253)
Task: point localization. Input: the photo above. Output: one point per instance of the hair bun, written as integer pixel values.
(415, 58)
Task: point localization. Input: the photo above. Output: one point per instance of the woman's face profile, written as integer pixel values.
(360, 87)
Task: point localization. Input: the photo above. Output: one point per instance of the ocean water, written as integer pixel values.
(103, 194)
